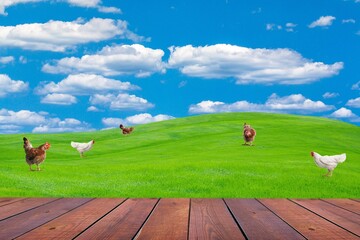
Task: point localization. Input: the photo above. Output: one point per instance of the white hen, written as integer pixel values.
(328, 162)
(82, 147)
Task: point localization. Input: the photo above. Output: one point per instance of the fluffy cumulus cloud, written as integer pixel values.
(296, 103)
(113, 60)
(13, 122)
(59, 99)
(60, 36)
(66, 125)
(122, 101)
(323, 21)
(249, 66)
(354, 103)
(79, 3)
(8, 86)
(85, 84)
(142, 118)
(344, 113)
(62, 93)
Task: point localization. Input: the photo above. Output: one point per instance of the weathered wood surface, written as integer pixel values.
(118, 218)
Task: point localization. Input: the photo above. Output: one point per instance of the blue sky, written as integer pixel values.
(82, 65)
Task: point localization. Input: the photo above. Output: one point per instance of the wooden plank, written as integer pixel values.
(74, 222)
(22, 206)
(307, 223)
(258, 222)
(5, 201)
(169, 220)
(123, 222)
(210, 219)
(347, 204)
(17, 225)
(339, 216)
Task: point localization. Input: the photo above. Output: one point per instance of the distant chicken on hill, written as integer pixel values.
(328, 162)
(126, 130)
(35, 155)
(249, 134)
(82, 147)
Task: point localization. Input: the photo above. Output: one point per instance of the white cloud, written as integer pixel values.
(345, 114)
(348, 20)
(113, 60)
(323, 21)
(112, 122)
(12, 122)
(59, 99)
(7, 3)
(356, 86)
(292, 103)
(93, 109)
(7, 85)
(6, 60)
(290, 26)
(354, 103)
(85, 3)
(79, 3)
(122, 101)
(66, 125)
(60, 36)
(249, 66)
(330, 95)
(109, 9)
(94, 4)
(23, 117)
(85, 84)
(142, 118)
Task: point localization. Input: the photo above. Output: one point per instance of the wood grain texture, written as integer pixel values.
(210, 219)
(307, 223)
(347, 204)
(119, 218)
(339, 216)
(17, 225)
(6, 201)
(169, 220)
(23, 205)
(74, 222)
(258, 222)
(123, 222)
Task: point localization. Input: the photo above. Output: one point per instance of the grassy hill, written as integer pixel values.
(200, 156)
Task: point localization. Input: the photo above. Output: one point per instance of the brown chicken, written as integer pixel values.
(126, 130)
(249, 134)
(35, 155)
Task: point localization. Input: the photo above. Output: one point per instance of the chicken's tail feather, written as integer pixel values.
(341, 158)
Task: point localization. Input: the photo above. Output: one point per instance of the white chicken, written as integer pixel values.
(328, 162)
(82, 147)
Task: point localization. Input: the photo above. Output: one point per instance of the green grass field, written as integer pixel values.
(200, 156)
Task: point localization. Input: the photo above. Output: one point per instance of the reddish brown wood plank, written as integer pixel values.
(339, 216)
(169, 220)
(27, 221)
(307, 223)
(123, 222)
(210, 219)
(5, 201)
(74, 222)
(348, 204)
(258, 222)
(22, 206)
